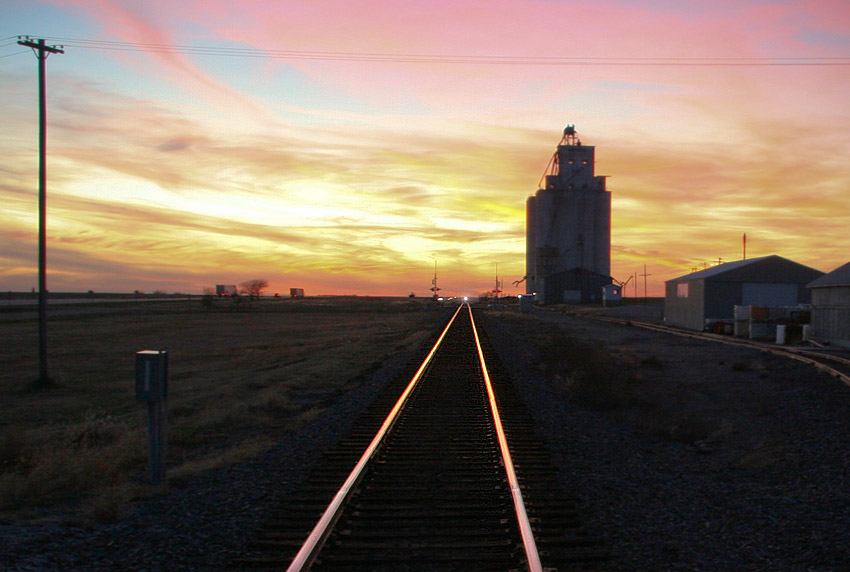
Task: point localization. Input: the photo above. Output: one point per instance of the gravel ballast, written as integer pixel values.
(722, 459)
(760, 484)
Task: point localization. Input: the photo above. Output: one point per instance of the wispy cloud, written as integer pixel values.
(355, 175)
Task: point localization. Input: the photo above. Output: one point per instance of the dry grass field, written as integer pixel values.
(241, 375)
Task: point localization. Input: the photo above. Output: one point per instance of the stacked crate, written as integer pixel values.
(757, 322)
(742, 321)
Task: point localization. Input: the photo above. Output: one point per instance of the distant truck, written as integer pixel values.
(227, 290)
(296, 292)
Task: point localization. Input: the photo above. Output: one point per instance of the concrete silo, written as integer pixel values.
(568, 228)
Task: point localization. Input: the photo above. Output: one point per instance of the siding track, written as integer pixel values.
(835, 365)
(448, 481)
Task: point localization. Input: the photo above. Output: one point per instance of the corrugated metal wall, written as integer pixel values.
(831, 314)
(568, 224)
(574, 286)
(531, 284)
(769, 281)
(685, 312)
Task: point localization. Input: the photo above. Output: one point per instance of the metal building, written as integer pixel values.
(568, 228)
(831, 306)
(694, 300)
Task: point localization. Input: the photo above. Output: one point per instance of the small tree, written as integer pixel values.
(255, 287)
(208, 297)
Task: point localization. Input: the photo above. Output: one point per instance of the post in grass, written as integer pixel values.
(152, 388)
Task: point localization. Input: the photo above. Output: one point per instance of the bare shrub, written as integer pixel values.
(108, 505)
(217, 459)
(14, 452)
(592, 377)
(87, 455)
(254, 288)
(95, 431)
(766, 454)
(601, 386)
(652, 362)
(692, 428)
(676, 426)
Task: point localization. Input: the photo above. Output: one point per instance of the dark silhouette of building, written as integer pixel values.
(831, 306)
(568, 228)
(695, 300)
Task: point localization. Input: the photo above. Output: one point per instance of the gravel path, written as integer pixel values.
(724, 459)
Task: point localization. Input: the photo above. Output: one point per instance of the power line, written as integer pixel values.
(5, 43)
(15, 54)
(630, 61)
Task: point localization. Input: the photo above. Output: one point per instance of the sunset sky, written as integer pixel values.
(343, 146)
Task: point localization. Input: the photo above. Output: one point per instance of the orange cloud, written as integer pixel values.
(347, 175)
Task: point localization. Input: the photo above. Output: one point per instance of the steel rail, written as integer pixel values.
(323, 527)
(529, 544)
(794, 354)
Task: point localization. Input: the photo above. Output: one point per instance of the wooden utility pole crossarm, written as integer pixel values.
(42, 51)
(40, 47)
(644, 281)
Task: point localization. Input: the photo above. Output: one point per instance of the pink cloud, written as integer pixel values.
(697, 155)
(471, 28)
(158, 25)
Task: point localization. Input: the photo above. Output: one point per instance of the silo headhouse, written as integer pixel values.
(568, 228)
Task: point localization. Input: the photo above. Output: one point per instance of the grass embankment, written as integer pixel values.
(238, 382)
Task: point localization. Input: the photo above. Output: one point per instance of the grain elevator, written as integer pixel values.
(568, 228)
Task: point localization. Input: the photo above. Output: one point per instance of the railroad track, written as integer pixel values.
(444, 472)
(834, 365)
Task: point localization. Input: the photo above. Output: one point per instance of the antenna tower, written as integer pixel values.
(434, 288)
(498, 289)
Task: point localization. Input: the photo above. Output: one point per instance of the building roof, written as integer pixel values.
(838, 277)
(771, 268)
(720, 269)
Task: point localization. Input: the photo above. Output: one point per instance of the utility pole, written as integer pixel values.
(644, 282)
(623, 285)
(434, 288)
(41, 52)
(498, 289)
